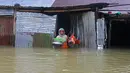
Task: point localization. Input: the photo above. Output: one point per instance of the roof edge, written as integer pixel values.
(56, 9)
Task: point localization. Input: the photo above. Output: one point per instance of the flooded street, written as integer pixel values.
(63, 61)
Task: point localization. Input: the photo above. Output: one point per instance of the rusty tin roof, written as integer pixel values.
(63, 3)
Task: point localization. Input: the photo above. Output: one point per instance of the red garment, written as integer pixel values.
(72, 39)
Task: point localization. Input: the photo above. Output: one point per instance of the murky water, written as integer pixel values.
(63, 61)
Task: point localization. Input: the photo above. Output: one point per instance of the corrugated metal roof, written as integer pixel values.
(61, 3)
(54, 9)
(118, 8)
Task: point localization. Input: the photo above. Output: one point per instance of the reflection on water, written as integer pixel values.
(63, 61)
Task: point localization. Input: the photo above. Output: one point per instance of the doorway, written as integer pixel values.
(120, 35)
(63, 21)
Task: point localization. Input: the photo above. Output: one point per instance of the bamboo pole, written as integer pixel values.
(14, 22)
(14, 27)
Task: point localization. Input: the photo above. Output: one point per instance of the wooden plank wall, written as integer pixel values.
(89, 30)
(41, 40)
(77, 27)
(83, 25)
(101, 31)
(6, 31)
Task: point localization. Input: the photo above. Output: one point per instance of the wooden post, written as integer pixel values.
(109, 34)
(14, 25)
(56, 27)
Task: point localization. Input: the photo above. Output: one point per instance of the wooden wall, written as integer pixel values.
(89, 29)
(33, 23)
(83, 24)
(77, 27)
(6, 31)
(41, 40)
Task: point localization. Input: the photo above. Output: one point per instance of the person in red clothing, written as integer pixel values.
(73, 40)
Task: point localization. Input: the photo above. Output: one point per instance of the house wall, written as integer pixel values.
(6, 27)
(101, 32)
(6, 12)
(28, 24)
(6, 31)
(89, 30)
(83, 24)
(77, 27)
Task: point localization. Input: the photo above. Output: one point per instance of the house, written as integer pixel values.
(17, 27)
(71, 18)
(81, 23)
(115, 22)
(80, 20)
(94, 22)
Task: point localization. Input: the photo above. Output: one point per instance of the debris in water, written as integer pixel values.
(56, 54)
(65, 70)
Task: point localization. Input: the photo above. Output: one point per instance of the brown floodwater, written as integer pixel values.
(42, 60)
